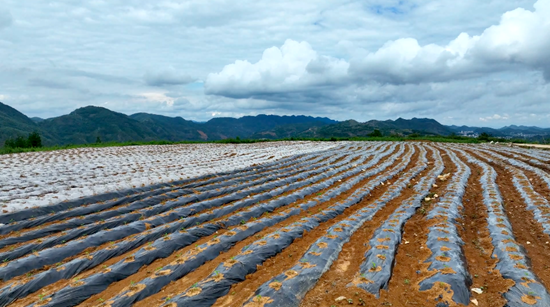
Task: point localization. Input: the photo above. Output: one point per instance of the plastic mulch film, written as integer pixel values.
(447, 258)
(289, 288)
(540, 173)
(172, 237)
(512, 260)
(205, 292)
(183, 216)
(139, 210)
(129, 195)
(535, 202)
(375, 271)
(149, 195)
(194, 258)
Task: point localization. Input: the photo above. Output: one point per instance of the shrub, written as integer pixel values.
(484, 136)
(375, 133)
(33, 141)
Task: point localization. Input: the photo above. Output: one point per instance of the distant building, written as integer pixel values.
(468, 134)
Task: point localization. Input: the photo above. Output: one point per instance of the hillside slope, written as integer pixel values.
(171, 128)
(352, 128)
(14, 123)
(84, 125)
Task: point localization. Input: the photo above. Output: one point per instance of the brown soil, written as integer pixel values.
(144, 272)
(290, 256)
(525, 227)
(539, 185)
(63, 283)
(107, 245)
(478, 246)
(525, 159)
(410, 266)
(403, 285)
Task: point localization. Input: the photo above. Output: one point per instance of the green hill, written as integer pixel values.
(171, 128)
(260, 126)
(84, 125)
(14, 123)
(352, 128)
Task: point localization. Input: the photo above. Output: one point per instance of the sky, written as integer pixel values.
(478, 63)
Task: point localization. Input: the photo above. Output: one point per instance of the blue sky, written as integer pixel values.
(467, 62)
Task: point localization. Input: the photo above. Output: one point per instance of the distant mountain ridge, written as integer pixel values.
(507, 131)
(87, 124)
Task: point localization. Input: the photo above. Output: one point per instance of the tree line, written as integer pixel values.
(32, 141)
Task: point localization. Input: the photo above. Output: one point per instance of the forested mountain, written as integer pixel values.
(88, 124)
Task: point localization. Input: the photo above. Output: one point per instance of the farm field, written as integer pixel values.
(45, 178)
(277, 224)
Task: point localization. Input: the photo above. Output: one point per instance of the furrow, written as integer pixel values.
(180, 239)
(154, 196)
(535, 202)
(142, 209)
(267, 267)
(127, 196)
(543, 175)
(512, 259)
(288, 289)
(447, 259)
(155, 283)
(53, 255)
(375, 272)
(236, 269)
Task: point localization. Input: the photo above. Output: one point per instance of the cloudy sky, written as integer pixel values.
(461, 62)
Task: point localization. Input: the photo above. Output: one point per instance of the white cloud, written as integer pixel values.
(494, 117)
(522, 38)
(293, 66)
(345, 59)
(158, 97)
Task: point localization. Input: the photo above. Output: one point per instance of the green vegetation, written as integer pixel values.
(100, 127)
(376, 133)
(32, 141)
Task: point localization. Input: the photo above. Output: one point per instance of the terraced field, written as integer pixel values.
(353, 223)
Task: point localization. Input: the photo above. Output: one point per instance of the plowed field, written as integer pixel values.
(350, 224)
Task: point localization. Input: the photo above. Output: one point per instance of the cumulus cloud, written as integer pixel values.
(169, 76)
(520, 40)
(347, 58)
(293, 66)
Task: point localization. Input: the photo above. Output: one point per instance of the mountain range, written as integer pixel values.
(85, 125)
(531, 133)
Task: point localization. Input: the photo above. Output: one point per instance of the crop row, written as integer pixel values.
(289, 288)
(218, 283)
(37, 216)
(282, 234)
(168, 228)
(513, 263)
(151, 206)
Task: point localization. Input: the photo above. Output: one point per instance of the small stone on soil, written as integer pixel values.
(341, 298)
